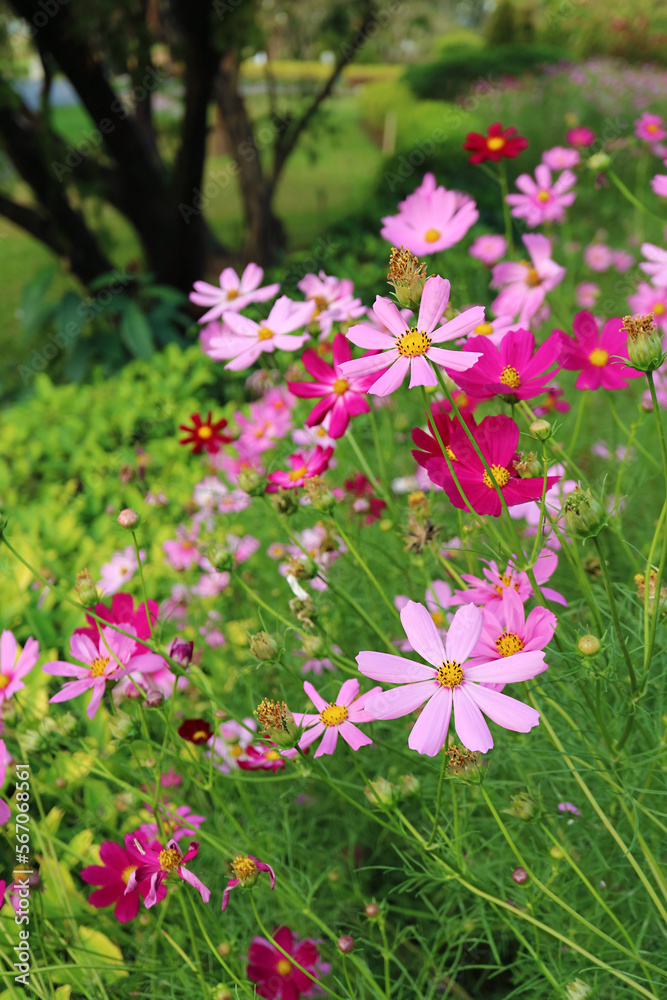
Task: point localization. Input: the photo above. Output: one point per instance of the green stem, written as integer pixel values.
(614, 617)
(143, 582)
(627, 193)
(658, 582)
(438, 800)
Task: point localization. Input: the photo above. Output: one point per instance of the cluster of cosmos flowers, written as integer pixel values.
(461, 648)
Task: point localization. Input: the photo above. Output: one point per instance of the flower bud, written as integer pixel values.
(584, 516)
(644, 343)
(277, 723)
(181, 651)
(285, 502)
(408, 785)
(311, 645)
(408, 276)
(220, 557)
(128, 518)
(224, 949)
(86, 589)
(520, 876)
(263, 646)
(345, 943)
(153, 699)
(303, 568)
(372, 910)
(463, 763)
(523, 807)
(529, 466)
(60, 783)
(221, 993)
(557, 853)
(578, 990)
(319, 494)
(598, 162)
(589, 645)
(540, 430)
(381, 792)
(250, 481)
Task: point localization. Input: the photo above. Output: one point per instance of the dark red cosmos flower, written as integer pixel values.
(498, 142)
(364, 499)
(195, 731)
(204, 434)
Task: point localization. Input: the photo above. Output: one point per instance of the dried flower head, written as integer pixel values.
(407, 274)
(644, 342)
(277, 722)
(419, 535)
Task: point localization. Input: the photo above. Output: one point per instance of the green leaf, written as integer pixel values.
(135, 331)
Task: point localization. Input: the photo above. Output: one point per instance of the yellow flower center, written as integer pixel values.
(500, 474)
(205, 432)
(236, 751)
(297, 473)
(340, 386)
(413, 342)
(232, 294)
(169, 859)
(4, 681)
(510, 376)
(283, 967)
(438, 618)
(97, 666)
(505, 581)
(450, 674)
(651, 128)
(658, 309)
(201, 734)
(598, 357)
(244, 867)
(272, 755)
(431, 235)
(126, 872)
(265, 333)
(543, 196)
(333, 715)
(509, 643)
(452, 456)
(321, 303)
(497, 142)
(532, 278)
(484, 329)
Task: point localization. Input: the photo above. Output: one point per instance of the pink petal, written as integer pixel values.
(470, 725)
(435, 297)
(353, 735)
(463, 634)
(389, 316)
(430, 730)
(348, 692)
(517, 667)
(422, 633)
(310, 735)
(421, 372)
(392, 669)
(505, 711)
(401, 700)
(316, 698)
(367, 336)
(329, 740)
(391, 379)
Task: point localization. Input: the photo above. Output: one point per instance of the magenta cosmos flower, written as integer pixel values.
(14, 668)
(122, 609)
(304, 464)
(648, 299)
(514, 368)
(333, 298)
(335, 717)
(429, 220)
(527, 283)
(407, 348)
(155, 863)
(497, 439)
(488, 590)
(110, 658)
(595, 354)
(650, 127)
(508, 630)
(341, 397)
(449, 683)
(113, 876)
(655, 264)
(542, 200)
(245, 870)
(279, 977)
(233, 294)
(580, 136)
(246, 340)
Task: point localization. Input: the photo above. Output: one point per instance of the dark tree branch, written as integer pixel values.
(32, 222)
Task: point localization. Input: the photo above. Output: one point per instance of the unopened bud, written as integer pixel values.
(408, 785)
(153, 699)
(345, 943)
(540, 430)
(589, 645)
(263, 646)
(181, 651)
(578, 990)
(220, 557)
(221, 993)
(250, 481)
(520, 876)
(86, 589)
(60, 783)
(644, 343)
(381, 792)
(285, 502)
(523, 807)
(529, 466)
(319, 494)
(598, 162)
(584, 516)
(372, 910)
(557, 853)
(128, 518)
(224, 949)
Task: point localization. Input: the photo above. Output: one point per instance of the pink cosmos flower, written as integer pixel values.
(488, 591)
(333, 300)
(182, 553)
(655, 265)
(342, 398)
(622, 260)
(234, 293)
(122, 609)
(542, 200)
(560, 158)
(175, 821)
(659, 185)
(598, 257)
(438, 597)
(514, 368)
(310, 437)
(497, 439)
(554, 403)
(508, 630)
(156, 863)
(210, 631)
(410, 348)
(247, 339)
(277, 977)
(494, 330)
(12, 668)
(119, 570)
(650, 127)
(526, 284)
(108, 659)
(245, 870)
(595, 354)
(429, 220)
(489, 249)
(261, 759)
(580, 136)
(113, 876)
(568, 807)
(648, 299)
(586, 293)
(230, 745)
(304, 464)
(335, 717)
(5, 811)
(449, 682)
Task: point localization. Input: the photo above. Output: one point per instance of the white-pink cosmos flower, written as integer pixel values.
(448, 683)
(119, 570)
(336, 717)
(526, 284)
(13, 670)
(333, 300)
(430, 219)
(247, 339)
(656, 267)
(659, 185)
(409, 348)
(560, 157)
(234, 293)
(542, 200)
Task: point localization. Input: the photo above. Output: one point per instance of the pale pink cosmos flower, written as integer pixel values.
(622, 260)
(111, 658)
(655, 265)
(659, 185)
(438, 597)
(248, 339)
(560, 158)
(508, 630)
(488, 591)
(598, 256)
(304, 464)
(648, 299)
(154, 866)
(336, 717)
(489, 249)
(209, 492)
(119, 570)
(12, 668)
(211, 584)
(586, 293)
(234, 293)
(449, 683)
(175, 821)
(430, 219)
(526, 285)
(650, 127)
(541, 199)
(232, 465)
(182, 552)
(210, 630)
(408, 348)
(333, 300)
(311, 437)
